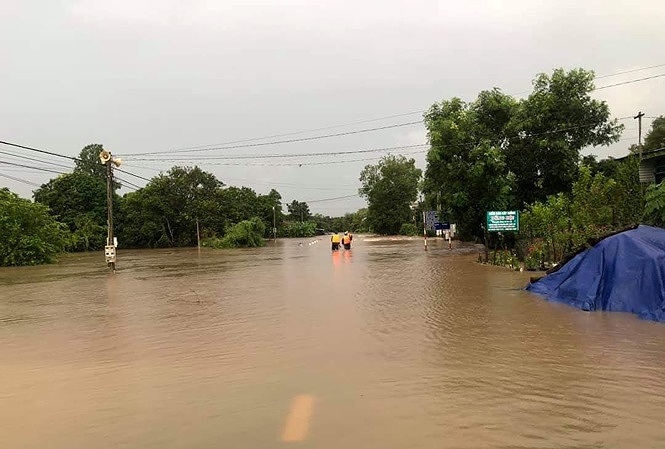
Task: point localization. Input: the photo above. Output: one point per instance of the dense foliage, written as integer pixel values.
(298, 211)
(655, 138)
(410, 229)
(565, 221)
(299, 229)
(500, 153)
(79, 201)
(246, 234)
(30, 235)
(390, 187)
(654, 211)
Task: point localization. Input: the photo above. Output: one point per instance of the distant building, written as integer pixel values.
(652, 166)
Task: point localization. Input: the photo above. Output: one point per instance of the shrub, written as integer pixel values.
(409, 229)
(246, 234)
(300, 229)
(30, 235)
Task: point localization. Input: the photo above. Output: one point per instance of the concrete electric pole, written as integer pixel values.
(639, 131)
(107, 159)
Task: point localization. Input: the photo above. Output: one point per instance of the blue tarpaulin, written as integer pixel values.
(622, 273)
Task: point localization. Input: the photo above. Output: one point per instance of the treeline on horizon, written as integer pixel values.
(69, 214)
(494, 153)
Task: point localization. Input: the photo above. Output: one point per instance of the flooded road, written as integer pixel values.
(385, 346)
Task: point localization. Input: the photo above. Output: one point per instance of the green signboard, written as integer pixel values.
(503, 220)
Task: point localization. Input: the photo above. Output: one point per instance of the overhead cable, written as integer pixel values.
(332, 199)
(16, 145)
(33, 167)
(279, 142)
(34, 159)
(280, 156)
(253, 139)
(273, 136)
(24, 181)
(630, 81)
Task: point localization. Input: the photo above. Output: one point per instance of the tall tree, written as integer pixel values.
(269, 210)
(79, 201)
(655, 138)
(549, 129)
(88, 161)
(298, 211)
(390, 187)
(466, 168)
(30, 235)
(166, 210)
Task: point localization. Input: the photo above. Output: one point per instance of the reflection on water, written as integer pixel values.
(390, 347)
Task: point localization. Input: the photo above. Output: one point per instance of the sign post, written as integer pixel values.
(503, 220)
(500, 221)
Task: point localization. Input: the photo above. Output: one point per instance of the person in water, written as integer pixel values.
(346, 240)
(335, 240)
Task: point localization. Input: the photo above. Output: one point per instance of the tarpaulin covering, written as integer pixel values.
(622, 273)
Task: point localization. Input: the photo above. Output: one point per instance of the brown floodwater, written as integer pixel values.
(385, 346)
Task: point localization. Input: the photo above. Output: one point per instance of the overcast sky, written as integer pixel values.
(156, 75)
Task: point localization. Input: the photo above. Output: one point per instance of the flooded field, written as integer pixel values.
(383, 346)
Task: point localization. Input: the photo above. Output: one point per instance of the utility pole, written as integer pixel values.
(198, 234)
(424, 223)
(274, 225)
(109, 250)
(639, 116)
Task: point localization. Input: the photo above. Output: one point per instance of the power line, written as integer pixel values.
(124, 181)
(16, 145)
(24, 181)
(273, 136)
(631, 71)
(37, 150)
(278, 142)
(273, 156)
(34, 159)
(132, 174)
(253, 139)
(297, 164)
(630, 81)
(291, 185)
(300, 164)
(332, 199)
(33, 167)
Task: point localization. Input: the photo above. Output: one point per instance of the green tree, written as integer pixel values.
(548, 130)
(300, 229)
(267, 214)
(627, 198)
(239, 204)
(390, 187)
(466, 171)
(246, 234)
(298, 211)
(594, 207)
(30, 235)
(655, 138)
(88, 162)
(165, 212)
(654, 210)
(79, 201)
(359, 221)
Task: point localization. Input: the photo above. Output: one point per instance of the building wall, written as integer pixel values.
(652, 170)
(647, 170)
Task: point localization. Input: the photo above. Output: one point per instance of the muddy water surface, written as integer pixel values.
(385, 346)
